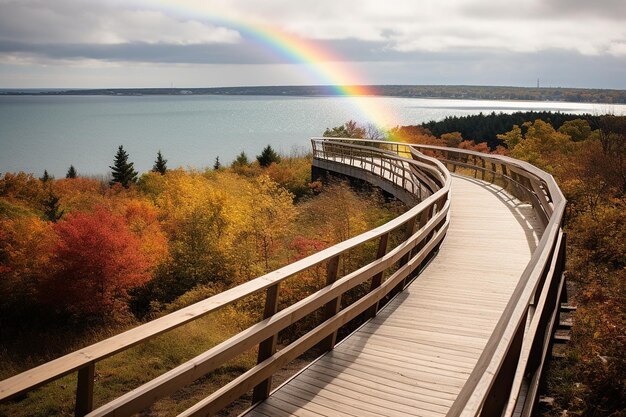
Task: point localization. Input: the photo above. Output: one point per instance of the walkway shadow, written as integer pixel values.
(523, 212)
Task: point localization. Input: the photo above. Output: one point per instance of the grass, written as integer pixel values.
(129, 369)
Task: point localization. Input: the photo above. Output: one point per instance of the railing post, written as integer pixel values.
(498, 395)
(267, 347)
(378, 278)
(475, 163)
(84, 390)
(484, 164)
(332, 307)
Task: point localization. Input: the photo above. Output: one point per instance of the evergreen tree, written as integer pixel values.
(71, 172)
(268, 156)
(217, 164)
(123, 172)
(160, 164)
(46, 177)
(242, 159)
(51, 207)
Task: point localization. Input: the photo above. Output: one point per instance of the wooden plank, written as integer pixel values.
(330, 400)
(291, 407)
(373, 387)
(431, 357)
(367, 357)
(361, 405)
(392, 379)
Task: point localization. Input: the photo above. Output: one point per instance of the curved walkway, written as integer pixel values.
(415, 355)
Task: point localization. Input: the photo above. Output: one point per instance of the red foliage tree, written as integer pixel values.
(97, 260)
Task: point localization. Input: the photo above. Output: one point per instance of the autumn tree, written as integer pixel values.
(160, 165)
(97, 259)
(142, 218)
(541, 145)
(613, 141)
(123, 172)
(374, 132)
(25, 248)
(452, 139)
(294, 174)
(272, 212)
(413, 134)
(578, 129)
(71, 172)
(23, 189)
(192, 212)
(268, 156)
(350, 129)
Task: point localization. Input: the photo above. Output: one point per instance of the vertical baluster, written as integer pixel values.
(483, 163)
(378, 278)
(84, 390)
(332, 307)
(504, 175)
(267, 347)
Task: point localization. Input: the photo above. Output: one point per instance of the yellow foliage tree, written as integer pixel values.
(25, 250)
(542, 145)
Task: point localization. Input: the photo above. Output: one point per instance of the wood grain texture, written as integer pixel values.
(414, 357)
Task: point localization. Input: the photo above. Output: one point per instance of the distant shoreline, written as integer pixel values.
(575, 95)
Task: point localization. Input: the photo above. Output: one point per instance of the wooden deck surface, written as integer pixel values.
(413, 358)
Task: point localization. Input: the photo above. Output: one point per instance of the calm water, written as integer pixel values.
(40, 132)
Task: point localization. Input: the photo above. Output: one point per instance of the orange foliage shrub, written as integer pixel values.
(97, 259)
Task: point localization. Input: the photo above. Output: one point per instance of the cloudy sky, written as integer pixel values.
(206, 43)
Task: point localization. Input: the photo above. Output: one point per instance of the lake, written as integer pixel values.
(54, 132)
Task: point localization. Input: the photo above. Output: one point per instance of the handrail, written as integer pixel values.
(424, 227)
(515, 353)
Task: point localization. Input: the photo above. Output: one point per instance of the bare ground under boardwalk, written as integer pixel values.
(414, 357)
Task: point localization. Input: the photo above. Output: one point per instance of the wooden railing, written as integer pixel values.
(506, 378)
(422, 227)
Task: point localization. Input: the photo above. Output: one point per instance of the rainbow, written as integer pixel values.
(327, 67)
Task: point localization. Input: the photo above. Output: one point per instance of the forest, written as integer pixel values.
(82, 258)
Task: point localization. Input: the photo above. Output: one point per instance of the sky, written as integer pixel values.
(214, 43)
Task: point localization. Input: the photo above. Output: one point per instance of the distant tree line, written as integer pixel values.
(486, 127)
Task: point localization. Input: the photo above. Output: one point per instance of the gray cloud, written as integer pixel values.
(571, 42)
(248, 52)
(608, 9)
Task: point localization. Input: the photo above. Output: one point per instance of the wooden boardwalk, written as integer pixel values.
(415, 355)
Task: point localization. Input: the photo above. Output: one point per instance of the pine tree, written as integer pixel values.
(123, 171)
(46, 177)
(71, 172)
(160, 164)
(242, 159)
(267, 157)
(52, 209)
(217, 164)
